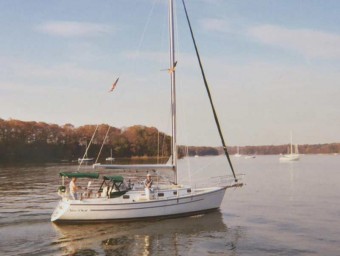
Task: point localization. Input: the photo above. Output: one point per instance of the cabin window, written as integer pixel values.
(126, 196)
(175, 192)
(160, 194)
(189, 190)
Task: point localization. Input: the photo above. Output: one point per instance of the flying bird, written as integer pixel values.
(170, 70)
(114, 85)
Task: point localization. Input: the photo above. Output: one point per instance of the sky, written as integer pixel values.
(273, 67)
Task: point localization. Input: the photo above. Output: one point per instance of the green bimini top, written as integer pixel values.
(114, 178)
(79, 175)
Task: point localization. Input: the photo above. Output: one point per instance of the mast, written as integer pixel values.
(291, 143)
(173, 88)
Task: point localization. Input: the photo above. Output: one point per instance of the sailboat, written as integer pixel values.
(292, 152)
(110, 158)
(85, 159)
(238, 152)
(120, 198)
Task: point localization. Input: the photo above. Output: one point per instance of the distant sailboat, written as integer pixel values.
(111, 159)
(238, 152)
(292, 155)
(85, 159)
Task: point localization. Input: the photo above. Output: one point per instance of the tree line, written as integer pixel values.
(34, 142)
(41, 142)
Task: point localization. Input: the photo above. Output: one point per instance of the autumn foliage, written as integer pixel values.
(26, 142)
(41, 142)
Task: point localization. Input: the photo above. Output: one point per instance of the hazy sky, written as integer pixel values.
(273, 67)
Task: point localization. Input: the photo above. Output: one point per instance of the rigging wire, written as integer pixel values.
(103, 143)
(145, 26)
(88, 147)
(209, 94)
(95, 131)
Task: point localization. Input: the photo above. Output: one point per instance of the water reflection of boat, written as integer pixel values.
(147, 237)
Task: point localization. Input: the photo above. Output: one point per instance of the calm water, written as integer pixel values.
(284, 209)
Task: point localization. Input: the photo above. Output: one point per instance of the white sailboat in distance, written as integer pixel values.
(110, 158)
(292, 154)
(238, 152)
(119, 198)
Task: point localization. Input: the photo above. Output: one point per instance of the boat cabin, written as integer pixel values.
(110, 187)
(113, 186)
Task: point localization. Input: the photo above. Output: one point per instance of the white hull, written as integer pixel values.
(136, 206)
(85, 160)
(291, 157)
